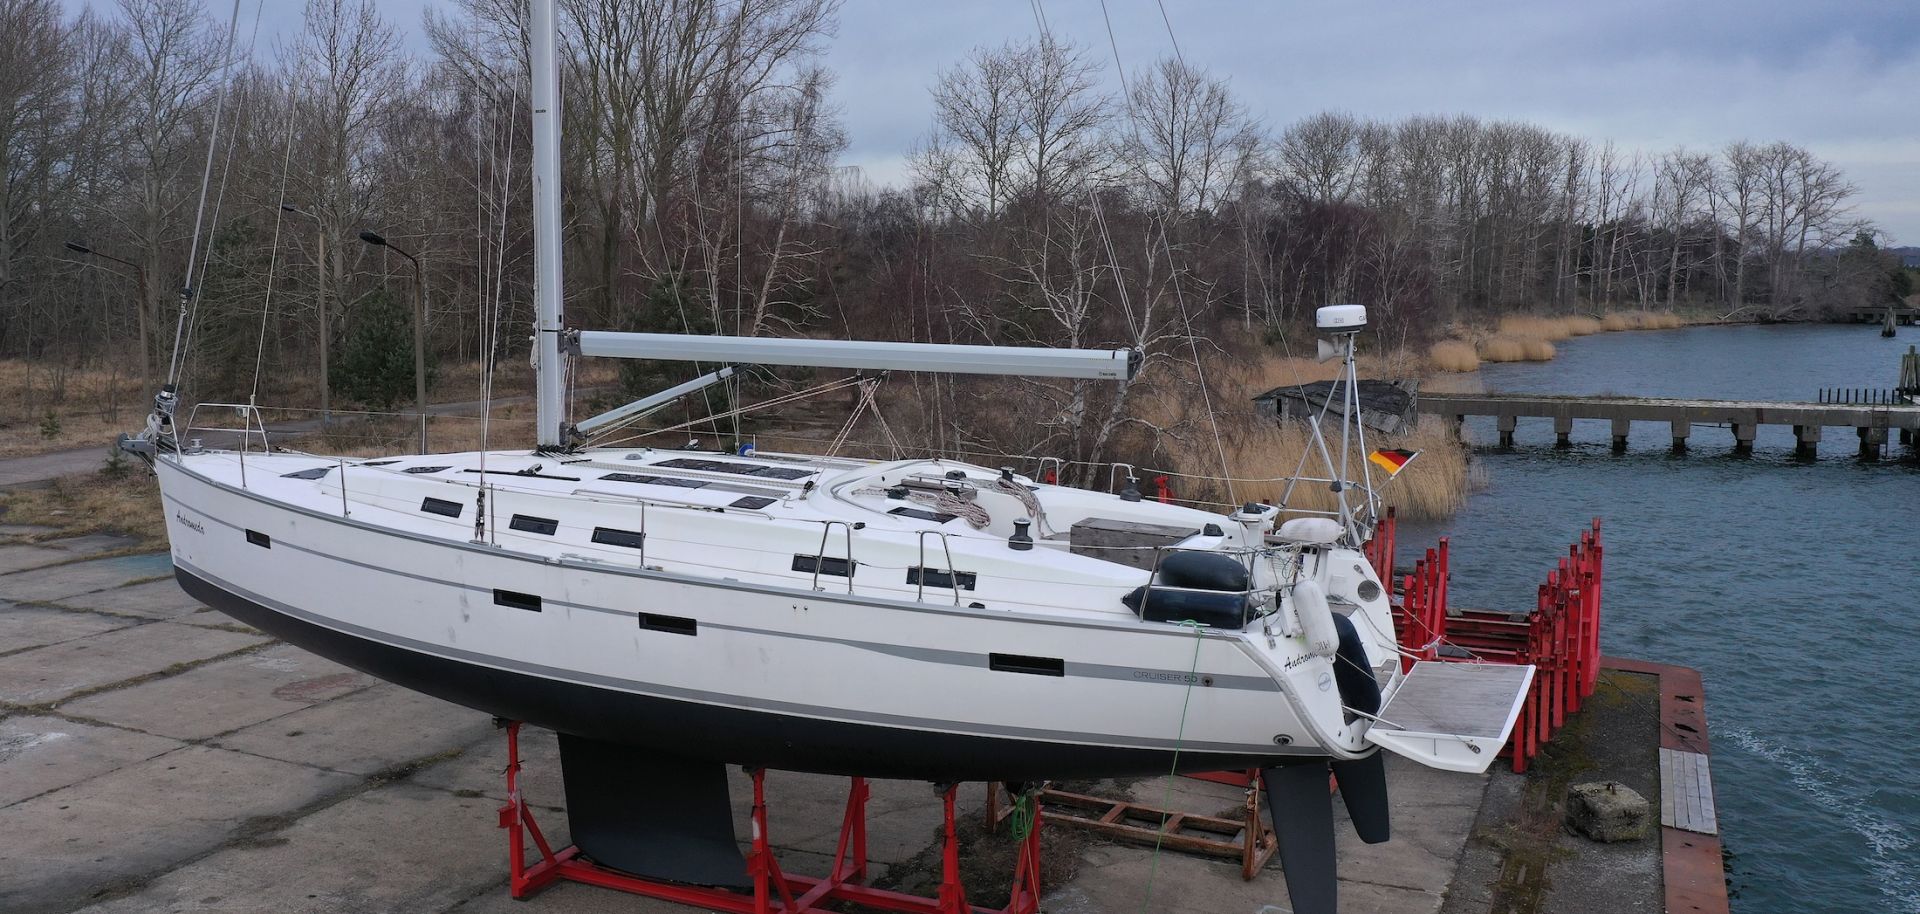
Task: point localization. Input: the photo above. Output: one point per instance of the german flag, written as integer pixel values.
(1392, 459)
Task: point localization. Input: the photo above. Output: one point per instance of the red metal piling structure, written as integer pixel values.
(774, 890)
(1560, 635)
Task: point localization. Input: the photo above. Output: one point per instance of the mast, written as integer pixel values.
(549, 403)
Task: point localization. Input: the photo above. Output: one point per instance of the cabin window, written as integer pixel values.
(609, 536)
(528, 524)
(674, 625)
(314, 473)
(934, 577)
(441, 506)
(418, 470)
(259, 539)
(516, 600)
(378, 463)
(1020, 663)
(811, 564)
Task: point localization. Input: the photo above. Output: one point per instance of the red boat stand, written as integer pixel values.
(774, 892)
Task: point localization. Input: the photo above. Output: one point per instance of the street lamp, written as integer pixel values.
(320, 307)
(140, 273)
(419, 326)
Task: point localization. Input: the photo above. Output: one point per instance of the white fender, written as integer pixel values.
(1316, 619)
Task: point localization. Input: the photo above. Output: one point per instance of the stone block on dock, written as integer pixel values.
(1607, 811)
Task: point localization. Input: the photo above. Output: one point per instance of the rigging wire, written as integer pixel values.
(187, 297)
(185, 347)
(273, 266)
(1193, 342)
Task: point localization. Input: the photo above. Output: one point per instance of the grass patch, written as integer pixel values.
(124, 503)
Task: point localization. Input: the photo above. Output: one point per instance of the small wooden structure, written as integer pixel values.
(1389, 407)
(1248, 837)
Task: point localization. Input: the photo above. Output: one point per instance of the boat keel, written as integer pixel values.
(651, 814)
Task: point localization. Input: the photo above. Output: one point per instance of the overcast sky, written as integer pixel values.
(1841, 77)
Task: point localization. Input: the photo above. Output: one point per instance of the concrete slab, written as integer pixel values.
(397, 848)
(21, 530)
(26, 627)
(481, 768)
(568, 897)
(22, 557)
(152, 600)
(55, 672)
(38, 754)
(366, 732)
(106, 834)
(62, 581)
(224, 695)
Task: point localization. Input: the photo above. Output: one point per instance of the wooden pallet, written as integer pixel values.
(1248, 838)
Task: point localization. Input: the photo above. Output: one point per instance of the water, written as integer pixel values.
(1789, 585)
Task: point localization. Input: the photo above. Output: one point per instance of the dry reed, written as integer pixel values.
(1581, 325)
(1453, 355)
(1552, 329)
(1510, 348)
(1641, 320)
(1259, 452)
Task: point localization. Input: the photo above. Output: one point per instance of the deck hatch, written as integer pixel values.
(816, 564)
(738, 469)
(752, 501)
(938, 517)
(527, 523)
(514, 599)
(612, 536)
(675, 625)
(935, 577)
(1020, 663)
(259, 539)
(441, 506)
(655, 480)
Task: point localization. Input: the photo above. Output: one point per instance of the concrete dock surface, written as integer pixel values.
(158, 756)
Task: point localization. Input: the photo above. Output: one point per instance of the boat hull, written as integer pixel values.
(688, 729)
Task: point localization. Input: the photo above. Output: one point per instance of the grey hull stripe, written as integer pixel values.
(1230, 682)
(657, 690)
(1163, 630)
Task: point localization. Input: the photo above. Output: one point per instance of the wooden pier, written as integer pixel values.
(1743, 417)
(1901, 316)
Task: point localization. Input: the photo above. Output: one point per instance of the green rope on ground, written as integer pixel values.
(1179, 739)
(1020, 819)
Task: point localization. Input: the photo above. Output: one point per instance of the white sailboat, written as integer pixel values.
(670, 611)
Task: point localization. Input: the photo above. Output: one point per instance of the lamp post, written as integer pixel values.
(419, 326)
(320, 306)
(140, 308)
